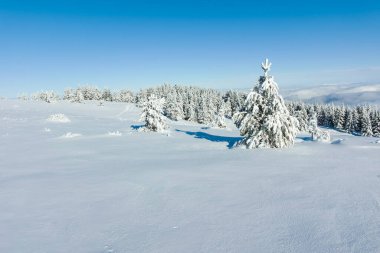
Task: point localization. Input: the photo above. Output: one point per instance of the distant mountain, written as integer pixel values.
(351, 94)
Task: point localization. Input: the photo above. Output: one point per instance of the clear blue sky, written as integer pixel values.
(210, 43)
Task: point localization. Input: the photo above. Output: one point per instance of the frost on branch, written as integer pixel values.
(265, 121)
(152, 115)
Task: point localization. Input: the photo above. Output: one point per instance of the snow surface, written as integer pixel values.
(187, 192)
(59, 118)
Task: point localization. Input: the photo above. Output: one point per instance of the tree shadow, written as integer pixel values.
(136, 127)
(231, 141)
(305, 138)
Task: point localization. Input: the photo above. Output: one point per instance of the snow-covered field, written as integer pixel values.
(89, 182)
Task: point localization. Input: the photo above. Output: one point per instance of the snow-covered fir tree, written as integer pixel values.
(107, 95)
(316, 133)
(265, 121)
(172, 109)
(205, 109)
(219, 120)
(46, 96)
(152, 114)
(189, 106)
(338, 117)
(375, 123)
(124, 96)
(302, 117)
(349, 124)
(365, 122)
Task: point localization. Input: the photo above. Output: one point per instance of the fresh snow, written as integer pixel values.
(187, 192)
(71, 135)
(59, 118)
(116, 133)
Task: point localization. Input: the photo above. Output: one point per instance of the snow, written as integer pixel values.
(338, 141)
(187, 192)
(71, 135)
(116, 133)
(58, 118)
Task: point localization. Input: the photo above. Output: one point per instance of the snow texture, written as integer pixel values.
(116, 133)
(146, 192)
(70, 135)
(58, 118)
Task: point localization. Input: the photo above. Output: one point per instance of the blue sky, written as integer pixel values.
(220, 44)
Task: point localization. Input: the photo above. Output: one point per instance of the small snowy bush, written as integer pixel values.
(316, 133)
(71, 135)
(58, 118)
(117, 133)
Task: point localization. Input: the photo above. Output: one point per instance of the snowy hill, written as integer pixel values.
(80, 178)
(352, 94)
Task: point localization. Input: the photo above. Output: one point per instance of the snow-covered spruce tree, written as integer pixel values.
(365, 122)
(78, 97)
(376, 123)
(152, 114)
(349, 125)
(219, 119)
(302, 117)
(316, 133)
(265, 121)
(107, 95)
(189, 106)
(205, 109)
(125, 96)
(46, 96)
(338, 117)
(172, 110)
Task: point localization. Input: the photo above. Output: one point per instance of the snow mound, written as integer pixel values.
(338, 141)
(47, 129)
(59, 118)
(71, 135)
(117, 133)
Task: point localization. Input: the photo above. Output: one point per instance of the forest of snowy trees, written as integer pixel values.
(210, 106)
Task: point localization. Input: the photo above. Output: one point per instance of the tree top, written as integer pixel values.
(266, 66)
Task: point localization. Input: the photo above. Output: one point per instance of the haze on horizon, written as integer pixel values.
(218, 44)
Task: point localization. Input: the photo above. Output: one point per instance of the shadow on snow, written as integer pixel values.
(136, 127)
(305, 138)
(231, 141)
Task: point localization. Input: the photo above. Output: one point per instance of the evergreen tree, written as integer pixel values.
(171, 108)
(265, 121)
(376, 125)
(316, 133)
(365, 123)
(219, 117)
(302, 117)
(107, 95)
(152, 115)
(338, 117)
(349, 125)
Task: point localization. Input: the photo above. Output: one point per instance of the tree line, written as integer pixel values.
(211, 106)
